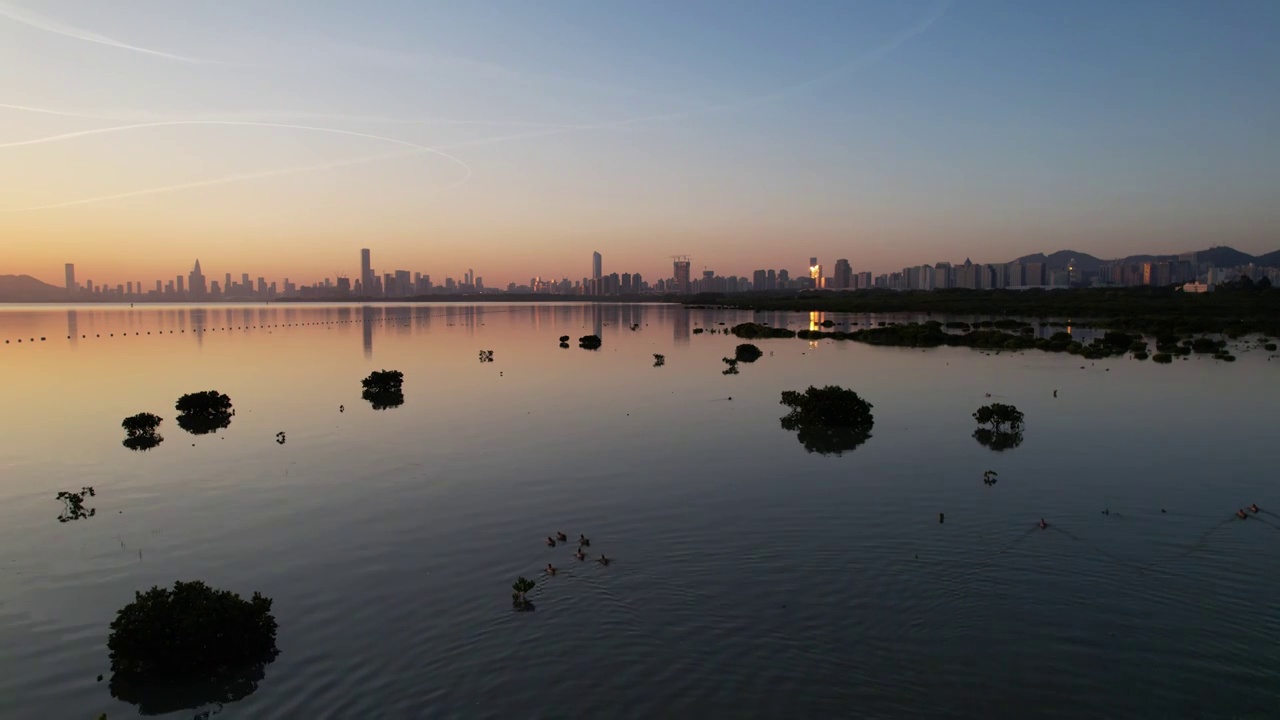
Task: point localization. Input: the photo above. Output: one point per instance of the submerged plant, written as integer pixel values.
(73, 505)
(519, 597)
(204, 412)
(830, 420)
(1003, 429)
(140, 431)
(189, 646)
(383, 389)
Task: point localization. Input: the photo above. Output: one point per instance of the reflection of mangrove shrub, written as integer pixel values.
(383, 389)
(189, 646)
(204, 412)
(659, 360)
(733, 366)
(747, 353)
(519, 598)
(828, 420)
(590, 342)
(140, 431)
(998, 441)
(73, 505)
(1003, 429)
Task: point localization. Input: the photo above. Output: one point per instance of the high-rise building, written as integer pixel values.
(71, 279)
(759, 280)
(771, 281)
(366, 272)
(682, 274)
(815, 272)
(197, 283)
(597, 266)
(181, 281)
(843, 279)
(403, 288)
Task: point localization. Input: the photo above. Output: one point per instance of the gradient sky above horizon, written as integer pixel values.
(745, 134)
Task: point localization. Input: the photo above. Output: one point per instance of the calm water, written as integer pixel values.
(752, 579)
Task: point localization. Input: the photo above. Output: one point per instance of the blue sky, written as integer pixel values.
(747, 134)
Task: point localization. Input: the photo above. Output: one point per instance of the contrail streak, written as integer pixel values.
(41, 22)
(852, 66)
(139, 117)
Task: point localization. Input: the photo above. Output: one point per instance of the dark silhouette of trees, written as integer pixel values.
(140, 431)
(193, 645)
(752, 331)
(747, 353)
(830, 420)
(383, 389)
(1003, 429)
(204, 412)
(590, 342)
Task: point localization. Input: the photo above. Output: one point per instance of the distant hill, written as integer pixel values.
(1271, 259)
(1224, 257)
(1063, 258)
(1220, 256)
(24, 288)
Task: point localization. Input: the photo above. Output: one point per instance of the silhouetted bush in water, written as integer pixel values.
(564, 339)
(382, 389)
(564, 345)
(1004, 426)
(747, 353)
(829, 420)
(189, 646)
(733, 366)
(1162, 357)
(73, 505)
(659, 360)
(140, 431)
(486, 356)
(589, 342)
(1269, 346)
(520, 587)
(698, 331)
(204, 412)
(751, 331)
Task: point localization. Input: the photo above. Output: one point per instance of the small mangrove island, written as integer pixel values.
(830, 420)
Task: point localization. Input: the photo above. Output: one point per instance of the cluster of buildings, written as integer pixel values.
(1184, 270)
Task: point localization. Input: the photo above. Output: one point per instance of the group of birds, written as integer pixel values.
(577, 554)
(1245, 516)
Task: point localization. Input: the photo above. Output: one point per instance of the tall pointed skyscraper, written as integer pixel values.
(195, 282)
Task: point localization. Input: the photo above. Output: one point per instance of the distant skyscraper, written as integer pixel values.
(196, 282)
(844, 275)
(71, 279)
(815, 272)
(181, 281)
(366, 272)
(597, 266)
(682, 274)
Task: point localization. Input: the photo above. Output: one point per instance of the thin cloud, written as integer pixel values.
(48, 24)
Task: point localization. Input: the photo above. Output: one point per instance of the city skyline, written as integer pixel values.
(1199, 271)
(893, 133)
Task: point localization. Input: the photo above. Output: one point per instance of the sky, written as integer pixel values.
(515, 138)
